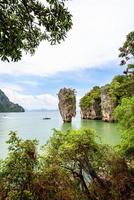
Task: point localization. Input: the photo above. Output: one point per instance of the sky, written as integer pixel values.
(88, 56)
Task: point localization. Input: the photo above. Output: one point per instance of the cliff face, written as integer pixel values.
(90, 104)
(93, 112)
(99, 106)
(107, 105)
(67, 104)
(7, 106)
(100, 103)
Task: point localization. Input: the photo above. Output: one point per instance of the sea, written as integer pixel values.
(32, 125)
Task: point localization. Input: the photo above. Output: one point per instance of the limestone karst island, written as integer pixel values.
(7, 106)
(66, 100)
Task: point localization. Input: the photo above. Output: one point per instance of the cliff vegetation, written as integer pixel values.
(107, 98)
(90, 104)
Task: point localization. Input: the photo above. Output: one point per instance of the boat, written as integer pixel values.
(46, 118)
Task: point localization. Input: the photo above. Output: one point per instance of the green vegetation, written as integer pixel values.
(121, 86)
(11, 108)
(127, 54)
(72, 166)
(8, 106)
(17, 171)
(69, 95)
(87, 100)
(111, 95)
(24, 24)
(125, 115)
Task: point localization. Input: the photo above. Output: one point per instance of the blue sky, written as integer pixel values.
(88, 57)
(82, 80)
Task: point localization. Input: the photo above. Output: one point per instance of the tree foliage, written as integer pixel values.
(72, 166)
(127, 53)
(125, 116)
(24, 24)
(78, 154)
(120, 87)
(95, 170)
(17, 171)
(106, 99)
(89, 98)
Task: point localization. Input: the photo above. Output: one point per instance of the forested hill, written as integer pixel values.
(100, 102)
(7, 106)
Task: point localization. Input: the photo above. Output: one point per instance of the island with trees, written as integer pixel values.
(7, 106)
(100, 103)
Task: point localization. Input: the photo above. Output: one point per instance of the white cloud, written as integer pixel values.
(29, 83)
(99, 30)
(8, 87)
(16, 95)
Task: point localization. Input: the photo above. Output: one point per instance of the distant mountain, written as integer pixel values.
(7, 106)
(41, 110)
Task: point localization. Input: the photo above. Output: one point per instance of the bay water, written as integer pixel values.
(31, 125)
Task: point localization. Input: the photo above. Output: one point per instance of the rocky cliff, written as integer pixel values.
(93, 112)
(100, 103)
(67, 104)
(90, 104)
(7, 106)
(107, 105)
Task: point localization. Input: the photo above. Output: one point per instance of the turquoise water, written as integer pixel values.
(30, 125)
